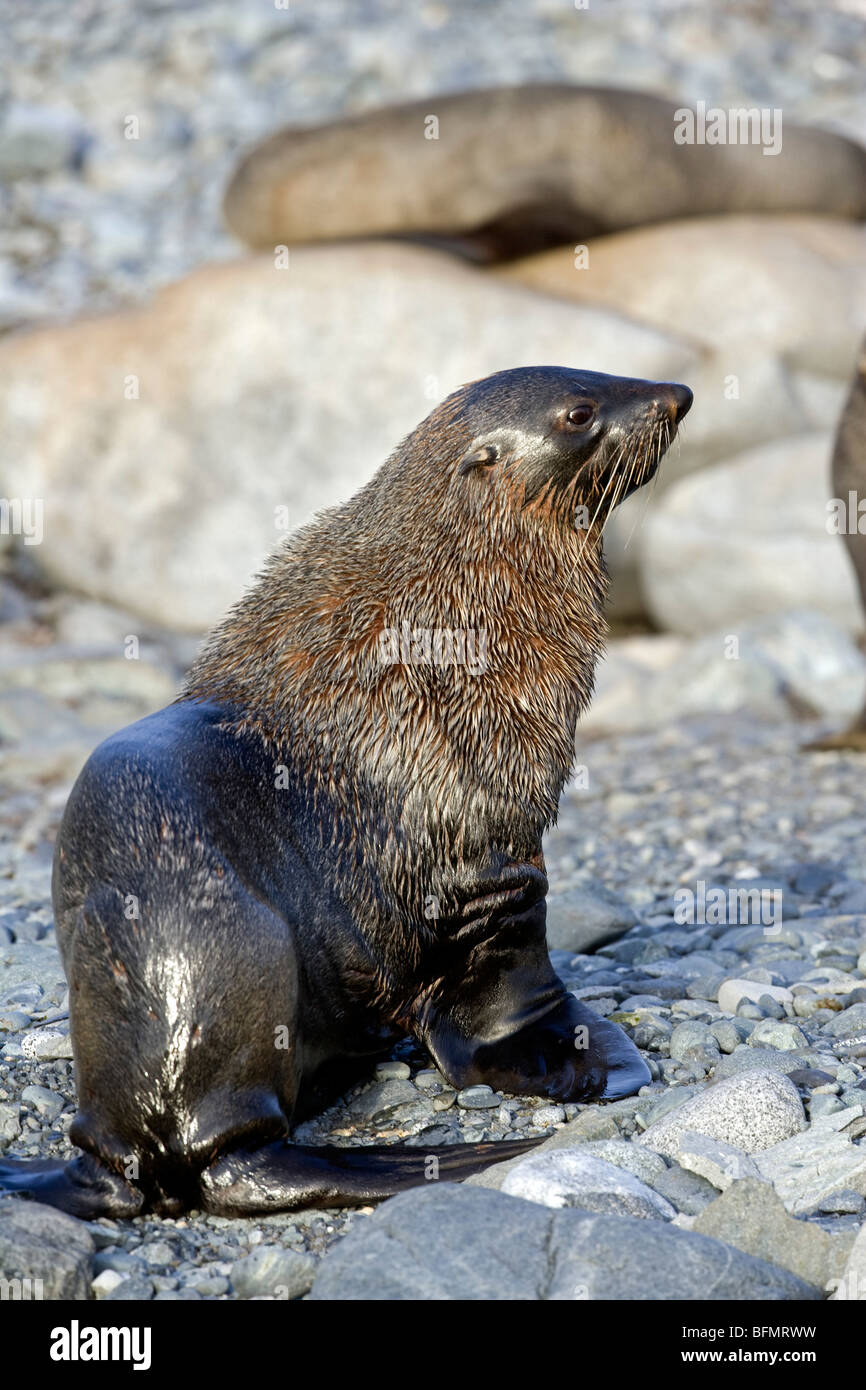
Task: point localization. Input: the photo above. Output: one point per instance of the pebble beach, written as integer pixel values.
(739, 1172)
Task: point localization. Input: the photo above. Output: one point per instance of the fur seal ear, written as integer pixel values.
(478, 456)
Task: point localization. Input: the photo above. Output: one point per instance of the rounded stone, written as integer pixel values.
(571, 1178)
(477, 1098)
(397, 1071)
(733, 992)
(751, 1111)
(785, 1037)
(47, 1104)
(269, 1269)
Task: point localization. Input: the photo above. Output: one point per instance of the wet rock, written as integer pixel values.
(39, 1243)
(377, 1102)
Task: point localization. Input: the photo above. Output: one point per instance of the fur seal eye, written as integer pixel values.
(580, 416)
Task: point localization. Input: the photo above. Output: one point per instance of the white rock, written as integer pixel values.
(733, 992)
(105, 1283)
(571, 1178)
(46, 1044)
(259, 388)
(622, 675)
(751, 1112)
(808, 1167)
(794, 286)
(721, 1164)
(708, 561)
(796, 656)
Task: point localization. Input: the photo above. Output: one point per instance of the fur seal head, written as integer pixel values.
(571, 436)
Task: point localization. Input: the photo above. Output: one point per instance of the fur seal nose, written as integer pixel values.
(682, 401)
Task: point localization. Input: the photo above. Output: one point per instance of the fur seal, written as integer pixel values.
(514, 170)
(329, 841)
(848, 472)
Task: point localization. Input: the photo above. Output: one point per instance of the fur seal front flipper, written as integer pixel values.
(333, 838)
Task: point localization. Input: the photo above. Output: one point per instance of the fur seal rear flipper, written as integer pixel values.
(333, 838)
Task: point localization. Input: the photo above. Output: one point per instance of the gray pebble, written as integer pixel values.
(427, 1078)
(157, 1252)
(47, 1104)
(397, 1071)
(119, 1260)
(478, 1098)
(824, 1104)
(284, 1274)
(445, 1100)
(10, 1121)
(842, 1202)
(783, 1037)
(13, 1020)
(131, 1290)
(212, 1286)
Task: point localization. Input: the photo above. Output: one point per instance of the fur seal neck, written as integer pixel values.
(468, 528)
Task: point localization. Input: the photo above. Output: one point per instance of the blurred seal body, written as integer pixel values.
(333, 838)
(849, 477)
(513, 170)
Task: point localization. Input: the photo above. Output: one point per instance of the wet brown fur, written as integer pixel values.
(470, 762)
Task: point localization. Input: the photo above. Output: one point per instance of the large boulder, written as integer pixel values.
(791, 287)
(746, 538)
(163, 439)
(452, 1243)
(776, 305)
(791, 663)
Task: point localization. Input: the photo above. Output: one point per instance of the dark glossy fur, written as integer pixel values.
(314, 852)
